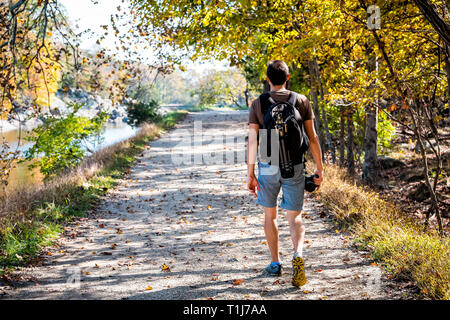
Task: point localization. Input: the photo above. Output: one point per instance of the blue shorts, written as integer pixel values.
(270, 183)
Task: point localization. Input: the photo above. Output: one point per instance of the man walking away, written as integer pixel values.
(291, 177)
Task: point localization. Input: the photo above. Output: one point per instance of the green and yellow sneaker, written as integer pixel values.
(299, 278)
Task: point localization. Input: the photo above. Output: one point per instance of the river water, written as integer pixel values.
(22, 176)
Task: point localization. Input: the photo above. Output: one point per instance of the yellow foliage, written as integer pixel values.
(44, 75)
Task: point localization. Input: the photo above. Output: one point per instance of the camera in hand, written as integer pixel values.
(310, 186)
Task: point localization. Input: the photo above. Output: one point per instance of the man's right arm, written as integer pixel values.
(315, 150)
(252, 181)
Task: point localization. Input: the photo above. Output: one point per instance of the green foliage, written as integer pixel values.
(146, 93)
(177, 87)
(386, 133)
(171, 119)
(299, 82)
(143, 112)
(24, 241)
(60, 143)
(254, 74)
(221, 87)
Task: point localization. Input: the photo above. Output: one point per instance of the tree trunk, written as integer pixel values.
(350, 156)
(329, 141)
(318, 122)
(447, 66)
(431, 189)
(246, 97)
(370, 168)
(342, 137)
(432, 15)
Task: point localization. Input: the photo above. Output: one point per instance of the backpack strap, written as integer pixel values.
(293, 99)
(264, 99)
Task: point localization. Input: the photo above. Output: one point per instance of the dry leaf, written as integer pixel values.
(165, 267)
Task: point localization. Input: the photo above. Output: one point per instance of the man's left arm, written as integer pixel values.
(315, 150)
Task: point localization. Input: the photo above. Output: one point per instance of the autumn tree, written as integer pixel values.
(364, 70)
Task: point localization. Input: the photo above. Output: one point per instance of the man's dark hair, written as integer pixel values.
(277, 72)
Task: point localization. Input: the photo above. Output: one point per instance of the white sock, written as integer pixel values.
(298, 254)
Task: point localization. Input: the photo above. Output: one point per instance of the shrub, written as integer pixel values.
(60, 143)
(140, 112)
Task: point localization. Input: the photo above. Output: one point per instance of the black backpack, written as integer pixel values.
(286, 119)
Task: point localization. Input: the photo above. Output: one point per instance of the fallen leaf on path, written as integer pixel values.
(278, 281)
(149, 288)
(238, 282)
(165, 268)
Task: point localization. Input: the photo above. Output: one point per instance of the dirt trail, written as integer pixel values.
(200, 223)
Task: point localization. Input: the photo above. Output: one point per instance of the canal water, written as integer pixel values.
(21, 176)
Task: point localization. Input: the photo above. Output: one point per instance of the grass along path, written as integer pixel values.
(194, 232)
(34, 216)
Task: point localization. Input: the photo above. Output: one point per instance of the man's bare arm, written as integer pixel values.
(252, 182)
(252, 147)
(315, 149)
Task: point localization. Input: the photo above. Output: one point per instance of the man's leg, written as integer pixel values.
(297, 229)
(298, 237)
(271, 230)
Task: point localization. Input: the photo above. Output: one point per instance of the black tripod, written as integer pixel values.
(286, 166)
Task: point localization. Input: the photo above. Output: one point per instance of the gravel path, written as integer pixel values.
(193, 232)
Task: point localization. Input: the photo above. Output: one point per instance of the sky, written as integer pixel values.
(84, 14)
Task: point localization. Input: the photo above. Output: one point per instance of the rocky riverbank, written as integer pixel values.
(92, 104)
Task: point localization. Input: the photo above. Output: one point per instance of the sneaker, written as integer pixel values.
(299, 278)
(274, 269)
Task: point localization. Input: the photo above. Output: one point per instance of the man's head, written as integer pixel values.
(278, 72)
